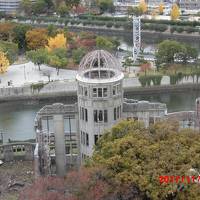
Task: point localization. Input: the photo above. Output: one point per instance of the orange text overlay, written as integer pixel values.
(179, 179)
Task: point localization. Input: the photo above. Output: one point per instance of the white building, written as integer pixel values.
(10, 6)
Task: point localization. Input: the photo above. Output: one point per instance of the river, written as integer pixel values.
(17, 119)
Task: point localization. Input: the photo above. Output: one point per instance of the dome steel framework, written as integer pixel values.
(99, 59)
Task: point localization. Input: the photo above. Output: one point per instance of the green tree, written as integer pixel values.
(134, 11)
(133, 156)
(20, 35)
(105, 5)
(40, 6)
(104, 43)
(10, 49)
(189, 53)
(38, 57)
(77, 54)
(52, 30)
(26, 6)
(57, 58)
(167, 50)
(63, 9)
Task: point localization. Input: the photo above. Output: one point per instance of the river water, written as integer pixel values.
(17, 119)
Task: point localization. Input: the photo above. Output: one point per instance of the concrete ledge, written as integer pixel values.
(72, 94)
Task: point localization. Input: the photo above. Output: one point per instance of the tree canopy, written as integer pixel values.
(175, 12)
(36, 38)
(134, 156)
(170, 51)
(59, 41)
(105, 5)
(143, 6)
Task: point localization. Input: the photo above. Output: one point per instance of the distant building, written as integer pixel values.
(10, 6)
(189, 4)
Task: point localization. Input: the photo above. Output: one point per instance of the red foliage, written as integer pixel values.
(84, 184)
(79, 9)
(49, 188)
(87, 43)
(145, 67)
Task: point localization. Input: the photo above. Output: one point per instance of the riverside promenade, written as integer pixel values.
(26, 82)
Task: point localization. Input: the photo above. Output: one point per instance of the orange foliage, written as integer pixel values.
(6, 31)
(36, 38)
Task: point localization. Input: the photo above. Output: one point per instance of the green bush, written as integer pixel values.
(148, 79)
(109, 24)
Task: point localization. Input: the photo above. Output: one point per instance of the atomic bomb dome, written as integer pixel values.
(71, 131)
(99, 66)
(99, 59)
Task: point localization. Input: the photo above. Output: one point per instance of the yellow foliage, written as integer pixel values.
(161, 8)
(4, 63)
(143, 6)
(59, 41)
(175, 12)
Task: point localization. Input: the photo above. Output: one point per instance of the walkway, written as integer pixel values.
(25, 74)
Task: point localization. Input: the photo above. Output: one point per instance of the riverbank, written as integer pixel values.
(67, 91)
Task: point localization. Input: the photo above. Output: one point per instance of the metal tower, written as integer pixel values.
(136, 37)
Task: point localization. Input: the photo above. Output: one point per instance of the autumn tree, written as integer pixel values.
(143, 6)
(161, 8)
(4, 63)
(175, 12)
(59, 41)
(36, 38)
(134, 157)
(6, 31)
(145, 67)
(49, 188)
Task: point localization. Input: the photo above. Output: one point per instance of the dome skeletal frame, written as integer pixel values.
(99, 60)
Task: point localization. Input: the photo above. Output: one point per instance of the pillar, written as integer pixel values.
(60, 145)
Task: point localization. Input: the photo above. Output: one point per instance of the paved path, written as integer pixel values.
(28, 73)
(25, 74)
